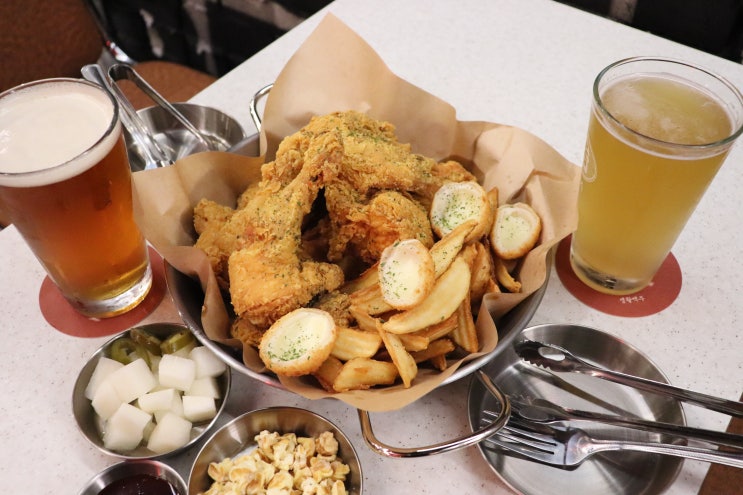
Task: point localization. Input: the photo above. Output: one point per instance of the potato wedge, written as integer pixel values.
(483, 272)
(369, 277)
(364, 373)
(328, 372)
(438, 330)
(504, 277)
(370, 300)
(440, 347)
(413, 342)
(447, 294)
(364, 320)
(352, 343)
(465, 335)
(439, 362)
(402, 359)
(448, 247)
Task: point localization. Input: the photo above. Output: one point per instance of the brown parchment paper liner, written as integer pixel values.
(336, 70)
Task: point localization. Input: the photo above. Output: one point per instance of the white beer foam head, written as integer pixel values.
(53, 130)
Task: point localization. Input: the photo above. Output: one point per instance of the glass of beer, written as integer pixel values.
(658, 133)
(65, 184)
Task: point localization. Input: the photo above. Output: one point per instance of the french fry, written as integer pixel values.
(413, 342)
(364, 373)
(503, 276)
(439, 362)
(483, 272)
(465, 335)
(448, 247)
(352, 343)
(439, 347)
(438, 330)
(402, 359)
(370, 300)
(364, 320)
(493, 200)
(450, 290)
(328, 372)
(369, 277)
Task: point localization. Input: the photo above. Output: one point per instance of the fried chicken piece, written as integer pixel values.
(338, 305)
(268, 278)
(210, 219)
(246, 332)
(373, 162)
(374, 192)
(369, 228)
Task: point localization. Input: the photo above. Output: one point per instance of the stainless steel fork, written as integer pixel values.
(569, 446)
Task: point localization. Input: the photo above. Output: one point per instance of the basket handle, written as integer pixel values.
(464, 441)
(261, 93)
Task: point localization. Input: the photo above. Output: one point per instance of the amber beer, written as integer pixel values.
(659, 131)
(65, 183)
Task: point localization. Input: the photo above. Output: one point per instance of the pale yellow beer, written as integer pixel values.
(657, 136)
(65, 182)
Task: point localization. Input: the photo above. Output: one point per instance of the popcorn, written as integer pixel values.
(282, 465)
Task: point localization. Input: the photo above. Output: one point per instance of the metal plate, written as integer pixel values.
(611, 472)
(188, 298)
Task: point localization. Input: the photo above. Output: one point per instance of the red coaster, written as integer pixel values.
(62, 316)
(662, 291)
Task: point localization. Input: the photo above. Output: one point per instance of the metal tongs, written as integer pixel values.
(556, 358)
(154, 154)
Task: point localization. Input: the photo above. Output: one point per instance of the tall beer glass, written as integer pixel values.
(65, 183)
(658, 133)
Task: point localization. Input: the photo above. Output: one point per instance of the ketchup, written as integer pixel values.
(140, 484)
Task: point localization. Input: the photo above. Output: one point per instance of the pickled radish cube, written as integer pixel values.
(207, 363)
(149, 427)
(133, 380)
(106, 401)
(160, 400)
(205, 387)
(170, 433)
(177, 372)
(197, 408)
(125, 428)
(176, 407)
(103, 369)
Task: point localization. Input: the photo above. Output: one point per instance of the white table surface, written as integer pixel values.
(528, 63)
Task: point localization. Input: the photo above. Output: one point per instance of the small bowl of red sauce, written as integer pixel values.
(136, 477)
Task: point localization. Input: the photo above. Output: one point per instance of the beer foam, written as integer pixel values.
(52, 131)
